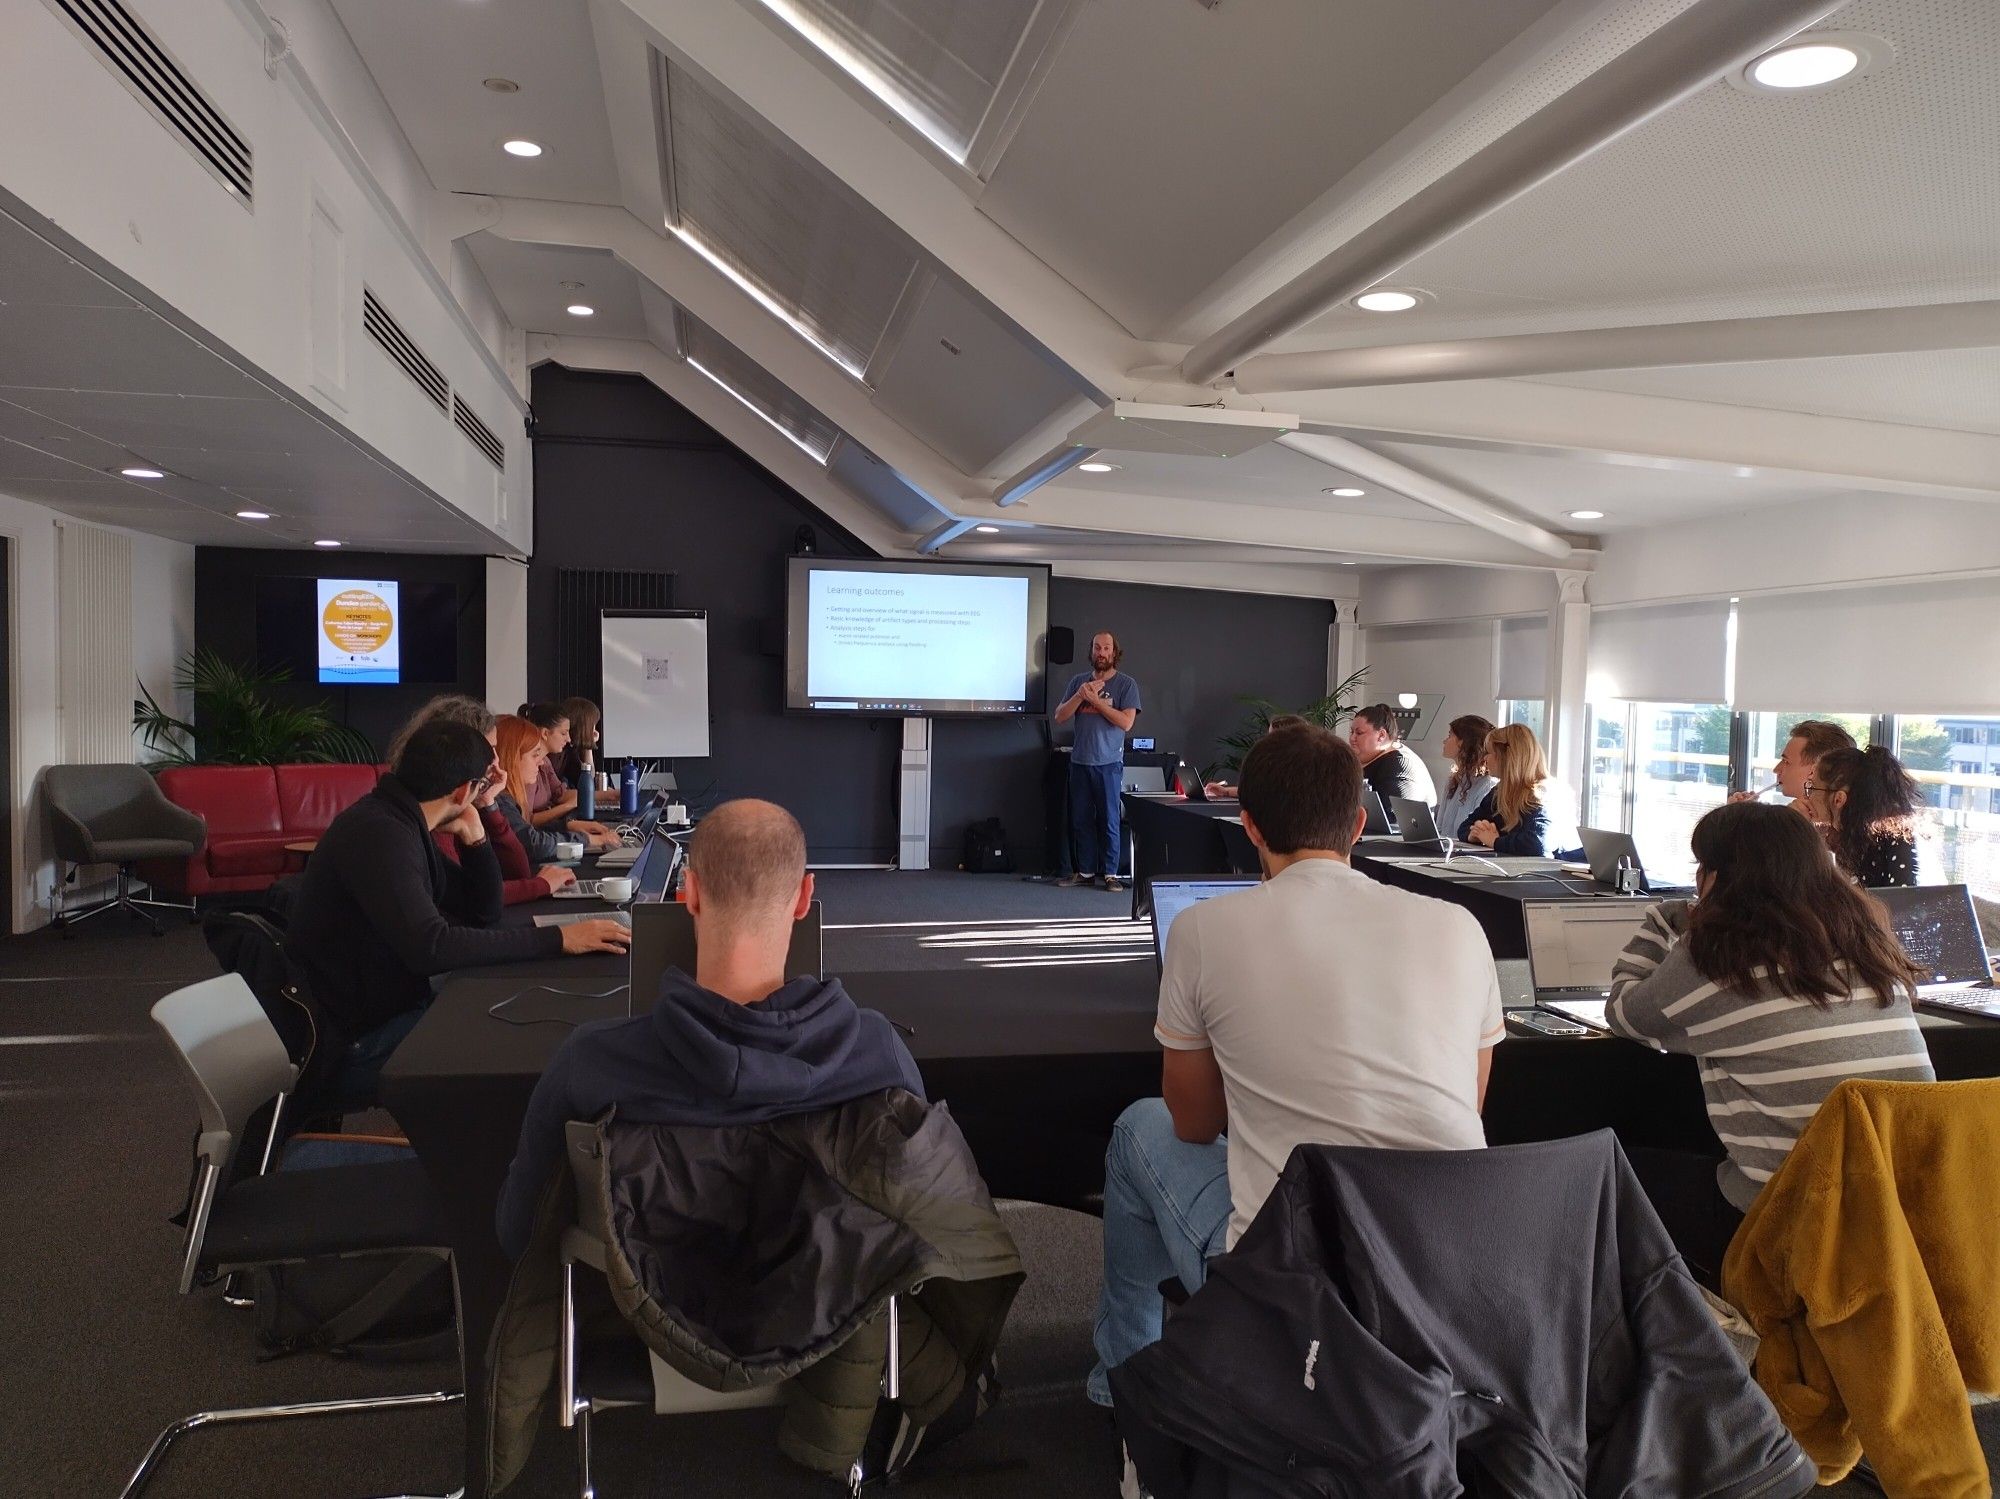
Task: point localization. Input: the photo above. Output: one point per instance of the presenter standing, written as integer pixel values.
(1105, 704)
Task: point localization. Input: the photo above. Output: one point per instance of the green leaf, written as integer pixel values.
(1327, 712)
(238, 721)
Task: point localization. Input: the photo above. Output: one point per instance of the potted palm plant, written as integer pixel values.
(238, 720)
(1327, 711)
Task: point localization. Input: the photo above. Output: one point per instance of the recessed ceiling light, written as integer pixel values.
(1386, 301)
(987, 530)
(1346, 492)
(1586, 515)
(521, 148)
(502, 85)
(1807, 65)
(577, 309)
(253, 515)
(326, 543)
(1097, 468)
(1819, 59)
(142, 473)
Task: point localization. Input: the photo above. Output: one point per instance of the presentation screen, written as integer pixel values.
(347, 631)
(360, 630)
(931, 639)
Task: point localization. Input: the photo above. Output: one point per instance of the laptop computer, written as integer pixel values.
(1415, 820)
(628, 855)
(652, 874)
(1572, 945)
(1145, 780)
(1377, 824)
(1605, 850)
(663, 937)
(1173, 896)
(1192, 785)
(1940, 931)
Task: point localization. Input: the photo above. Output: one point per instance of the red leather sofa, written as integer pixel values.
(252, 812)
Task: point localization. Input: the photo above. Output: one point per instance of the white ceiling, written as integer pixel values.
(92, 380)
(1169, 163)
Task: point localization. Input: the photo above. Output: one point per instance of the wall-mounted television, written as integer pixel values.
(916, 639)
(344, 631)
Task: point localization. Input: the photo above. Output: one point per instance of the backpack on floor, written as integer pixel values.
(396, 1306)
(986, 849)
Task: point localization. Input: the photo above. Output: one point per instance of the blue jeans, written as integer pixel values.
(1093, 817)
(352, 1085)
(1166, 1212)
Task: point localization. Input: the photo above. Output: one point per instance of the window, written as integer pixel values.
(1534, 712)
(1655, 769)
(1956, 763)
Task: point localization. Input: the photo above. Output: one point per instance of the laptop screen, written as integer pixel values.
(1572, 944)
(1937, 927)
(1171, 897)
(653, 870)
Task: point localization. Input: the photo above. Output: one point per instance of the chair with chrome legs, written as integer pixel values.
(237, 1065)
(115, 814)
(602, 1374)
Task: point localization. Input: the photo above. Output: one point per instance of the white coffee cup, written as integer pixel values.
(617, 891)
(569, 852)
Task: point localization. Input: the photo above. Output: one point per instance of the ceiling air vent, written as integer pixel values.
(397, 344)
(139, 62)
(479, 434)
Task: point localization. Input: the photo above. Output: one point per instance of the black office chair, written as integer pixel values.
(115, 814)
(237, 1064)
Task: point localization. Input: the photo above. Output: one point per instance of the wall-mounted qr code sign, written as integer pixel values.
(659, 668)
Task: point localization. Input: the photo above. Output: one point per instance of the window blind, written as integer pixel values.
(1914, 648)
(1660, 653)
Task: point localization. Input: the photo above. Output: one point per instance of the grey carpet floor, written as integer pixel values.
(101, 1354)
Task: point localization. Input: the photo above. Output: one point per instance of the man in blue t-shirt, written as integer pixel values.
(1105, 703)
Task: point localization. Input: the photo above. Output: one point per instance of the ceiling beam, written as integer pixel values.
(1750, 340)
(1689, 52)
(1350, 457)
(1282, 580)
(1389, 538)
(716, 302)
(1696, 437)
(783, 459)
(901, 179)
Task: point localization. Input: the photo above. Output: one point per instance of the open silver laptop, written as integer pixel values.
(1173, 896)
(1940, 931)
(1572, 946)
(663, 938)
(1146, 780)
(652, 880)
(1416, 821)
(628, 855)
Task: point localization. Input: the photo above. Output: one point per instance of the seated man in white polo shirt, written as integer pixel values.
(1318, 1007)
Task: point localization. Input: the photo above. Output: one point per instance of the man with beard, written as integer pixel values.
(1104, 702)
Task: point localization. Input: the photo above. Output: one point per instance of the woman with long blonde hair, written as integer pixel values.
(1513, 818)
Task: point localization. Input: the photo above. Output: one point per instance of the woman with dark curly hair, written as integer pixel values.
(1868, 804)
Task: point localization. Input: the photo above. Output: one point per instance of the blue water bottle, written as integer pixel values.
(628, 789)
(586, 792)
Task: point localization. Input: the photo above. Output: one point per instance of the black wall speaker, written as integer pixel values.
(1062, 645)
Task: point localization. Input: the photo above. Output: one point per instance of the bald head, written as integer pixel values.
(748, 859)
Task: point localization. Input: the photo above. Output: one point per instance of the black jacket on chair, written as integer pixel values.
(1425, 1324)
(380, 911)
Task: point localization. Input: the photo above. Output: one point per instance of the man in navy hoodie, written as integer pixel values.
(733, 1044)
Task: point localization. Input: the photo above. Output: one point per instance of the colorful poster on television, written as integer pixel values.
(359, 631)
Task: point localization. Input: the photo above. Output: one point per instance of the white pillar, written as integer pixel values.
(1343, 647)
(1569, 660)
(506, 632)
(914, 805)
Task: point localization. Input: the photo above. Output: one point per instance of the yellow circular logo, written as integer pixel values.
(357, 622)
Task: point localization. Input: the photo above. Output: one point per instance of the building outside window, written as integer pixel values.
(1955, 760)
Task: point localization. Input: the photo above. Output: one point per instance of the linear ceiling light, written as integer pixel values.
(865, 73)
(749, 405)
(763, 298)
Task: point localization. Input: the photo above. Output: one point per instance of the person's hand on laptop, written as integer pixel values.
(1223, 789)
(555, 877)
(596, 936)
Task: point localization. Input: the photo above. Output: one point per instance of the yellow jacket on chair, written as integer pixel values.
(1870, 1267)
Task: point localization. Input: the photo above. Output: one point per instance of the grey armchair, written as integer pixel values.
(114, 814)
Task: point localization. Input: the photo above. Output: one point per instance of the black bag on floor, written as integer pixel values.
(986, 849)
(395, 1306)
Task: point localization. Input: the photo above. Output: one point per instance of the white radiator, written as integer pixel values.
(94, 661)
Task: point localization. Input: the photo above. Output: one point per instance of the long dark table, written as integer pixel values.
(1171, 836)
(1035, 1065)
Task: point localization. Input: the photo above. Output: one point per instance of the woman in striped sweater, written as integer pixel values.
(1781, 978)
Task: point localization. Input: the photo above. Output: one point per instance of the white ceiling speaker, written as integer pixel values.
(1181, 431)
